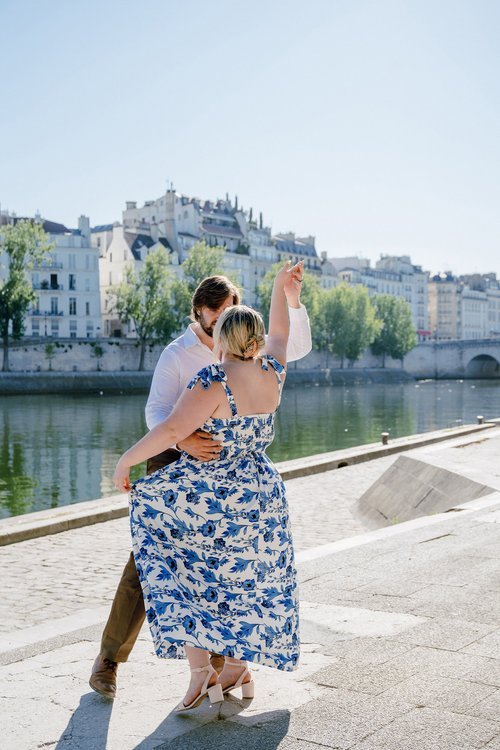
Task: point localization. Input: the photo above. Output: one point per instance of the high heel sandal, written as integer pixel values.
(214, 692)
(247, 688)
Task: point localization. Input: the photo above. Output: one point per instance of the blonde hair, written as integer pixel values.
(240, 331)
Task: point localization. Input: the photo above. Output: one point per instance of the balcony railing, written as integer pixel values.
(46, 313)
(48, 287)
(47, 265)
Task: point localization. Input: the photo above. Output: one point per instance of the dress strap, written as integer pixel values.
(267, 360)
(215, 374)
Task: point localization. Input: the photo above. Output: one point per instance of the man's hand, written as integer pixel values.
(201, 445)
(293, 284)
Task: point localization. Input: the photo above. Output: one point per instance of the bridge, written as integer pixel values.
(475, 358)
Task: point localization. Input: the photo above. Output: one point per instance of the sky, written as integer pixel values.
(371, 124)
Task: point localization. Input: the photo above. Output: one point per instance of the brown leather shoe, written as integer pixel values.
(103, 677)
(217, 662)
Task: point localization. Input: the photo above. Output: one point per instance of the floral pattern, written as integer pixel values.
(213, 547)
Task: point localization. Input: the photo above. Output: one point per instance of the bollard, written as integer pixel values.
(385, 437)
(480, 419)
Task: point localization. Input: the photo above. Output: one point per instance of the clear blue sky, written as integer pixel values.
(374, 125)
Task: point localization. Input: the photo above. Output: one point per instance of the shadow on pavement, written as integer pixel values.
(223, 730)
(89, 725)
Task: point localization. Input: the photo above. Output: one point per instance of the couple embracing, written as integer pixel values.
(213, 564)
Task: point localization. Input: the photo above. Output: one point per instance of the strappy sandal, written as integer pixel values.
(214, 692)
(247, 688)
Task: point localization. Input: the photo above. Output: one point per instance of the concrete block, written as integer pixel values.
(412, 488)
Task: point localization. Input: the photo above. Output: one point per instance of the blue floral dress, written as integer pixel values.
(213, 547)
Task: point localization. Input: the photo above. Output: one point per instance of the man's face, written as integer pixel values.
(207, 317)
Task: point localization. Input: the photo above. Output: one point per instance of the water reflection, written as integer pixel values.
(57, 450)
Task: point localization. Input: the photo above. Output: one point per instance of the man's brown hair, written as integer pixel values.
(212, 293)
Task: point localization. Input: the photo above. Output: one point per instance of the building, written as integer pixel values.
(66, 283)
(444, 310)
(118, 249)
(183, 221)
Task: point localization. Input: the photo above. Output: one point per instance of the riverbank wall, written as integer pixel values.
(32, 383)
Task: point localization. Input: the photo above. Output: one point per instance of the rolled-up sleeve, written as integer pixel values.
(164, 390)
(299, 339)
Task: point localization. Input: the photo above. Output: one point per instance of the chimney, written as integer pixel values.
(84, 227)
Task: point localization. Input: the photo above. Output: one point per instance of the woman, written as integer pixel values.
(211, 540)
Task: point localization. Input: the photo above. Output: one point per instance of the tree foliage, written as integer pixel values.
(145, 299)
(309, 297)
(21, 246)
(346, 322)
(202, 261)
(397, 335)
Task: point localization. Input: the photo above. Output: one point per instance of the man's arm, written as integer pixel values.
(164, 389)
(299, 340)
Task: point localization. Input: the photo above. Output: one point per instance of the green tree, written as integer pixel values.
(50, 353)
(397, 335)
(21, 246)
(98, 353)
(202, 261)
(346, 322)
(145, 299)
(309, 296)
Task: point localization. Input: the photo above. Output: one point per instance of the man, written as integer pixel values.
(178, 364)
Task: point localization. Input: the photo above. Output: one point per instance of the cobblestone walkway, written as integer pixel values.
(88, 561)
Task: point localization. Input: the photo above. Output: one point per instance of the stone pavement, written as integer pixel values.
(400, 631)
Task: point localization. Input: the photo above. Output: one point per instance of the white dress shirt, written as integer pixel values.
(184, 357)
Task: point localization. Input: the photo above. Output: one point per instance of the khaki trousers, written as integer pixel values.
(127, 611)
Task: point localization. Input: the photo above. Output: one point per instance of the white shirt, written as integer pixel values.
(184, 357)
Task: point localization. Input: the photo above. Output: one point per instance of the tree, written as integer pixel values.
(145, 299)
(202, 261)
(50, 353)
(97, 352)
(22, 244)
(346, 322)
(397, 335)
(309, 296)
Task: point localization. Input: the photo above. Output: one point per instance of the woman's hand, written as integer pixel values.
(293, 284)
(121, 477)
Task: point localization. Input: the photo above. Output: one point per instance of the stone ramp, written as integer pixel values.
(411, 488)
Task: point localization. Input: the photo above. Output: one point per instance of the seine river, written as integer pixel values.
(57, 450)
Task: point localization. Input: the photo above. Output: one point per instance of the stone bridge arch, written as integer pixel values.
(483, 366)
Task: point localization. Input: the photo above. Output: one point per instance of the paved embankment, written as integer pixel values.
(400, 629)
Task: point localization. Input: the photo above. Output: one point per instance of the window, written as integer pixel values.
(53, 281)
(87, 262)
(54, 305)
(98, 242)
(72, 305)
(72, 261)
(72, 329)
(87, 285)
(54, 328)
(111, 257)
(72, 282)
(36, 305)
(125, 254)
(35, 327)
(87, 308)
(90, 330)
(35, 280)
(110, 279)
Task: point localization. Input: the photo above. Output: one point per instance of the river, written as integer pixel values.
(57, 450)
